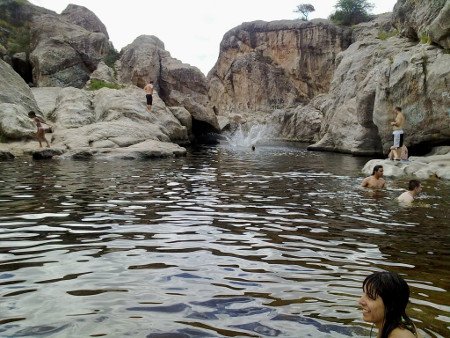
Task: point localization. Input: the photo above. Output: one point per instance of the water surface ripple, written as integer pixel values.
(224, 242)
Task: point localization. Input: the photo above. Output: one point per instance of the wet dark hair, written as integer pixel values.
(413, 184)
(376, 168)
(31, 114)
(394, 292)
(398, 108)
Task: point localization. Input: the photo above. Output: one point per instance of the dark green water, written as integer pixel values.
(223, 242)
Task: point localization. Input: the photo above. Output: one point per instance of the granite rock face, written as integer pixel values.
(16, 100)
(87, 121)
(427, 20)
(64, 54)
(14, 90)
(108, 118)
(83, 17)
(373, 76)
(264, 66)
(177, 84)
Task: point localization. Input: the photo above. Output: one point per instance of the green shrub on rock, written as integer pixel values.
(96, 84)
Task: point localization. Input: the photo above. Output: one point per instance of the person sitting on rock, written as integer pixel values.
(403, 153)
(40, 134)
(414, 189)
(375, 181)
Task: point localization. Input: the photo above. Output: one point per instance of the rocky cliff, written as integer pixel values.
(321, 85)
(263, 66)
(377, 73)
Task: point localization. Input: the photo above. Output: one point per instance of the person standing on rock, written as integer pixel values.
(397, 125)
(375, 181)
(414, 189)
(40, 134)
(149, 95)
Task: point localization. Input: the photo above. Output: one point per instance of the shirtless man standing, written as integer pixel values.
(149, 95)
(375, 181)
(397, 125)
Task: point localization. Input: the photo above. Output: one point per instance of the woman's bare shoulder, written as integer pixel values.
(401, 333)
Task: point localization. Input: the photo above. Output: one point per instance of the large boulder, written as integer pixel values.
(107, 118)
(424, 20)
(81, 16)
(139, 61)
(422, 167)
(64, 54)
(149, 149)
(14, 90)
(302, 123)
(16, 100)
(176, 83)
(264, 66)
(14, 122)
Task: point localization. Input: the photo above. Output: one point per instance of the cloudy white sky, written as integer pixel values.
(192, 30)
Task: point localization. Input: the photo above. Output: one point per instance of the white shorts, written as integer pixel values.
(398, 138)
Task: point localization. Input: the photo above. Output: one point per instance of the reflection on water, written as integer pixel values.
(272, 243)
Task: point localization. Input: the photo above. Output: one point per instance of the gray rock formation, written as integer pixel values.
(93, 122)
(108, 118)
(64, 54)
(16, 100)
(263, 66)
(102, 73)
(373, 76)
(302, 123)
(177, 84)
(424, 20)
(14, 90)
(81, 16)
(424, 167)
(140, 61)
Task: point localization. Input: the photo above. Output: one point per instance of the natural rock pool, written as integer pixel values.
(223, 242)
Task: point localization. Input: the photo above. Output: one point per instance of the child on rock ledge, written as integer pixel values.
(40, 134)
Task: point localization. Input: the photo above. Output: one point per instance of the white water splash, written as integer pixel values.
(245, 137)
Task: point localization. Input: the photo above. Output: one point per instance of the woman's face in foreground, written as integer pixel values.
(372, 309)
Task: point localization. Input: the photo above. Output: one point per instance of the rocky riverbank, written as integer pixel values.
(434, 165)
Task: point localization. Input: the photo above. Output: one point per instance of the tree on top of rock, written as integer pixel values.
(304, 9)
(351, 12)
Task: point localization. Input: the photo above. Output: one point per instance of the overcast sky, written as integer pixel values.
(192, 30)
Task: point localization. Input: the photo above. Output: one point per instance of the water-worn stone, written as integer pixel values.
(422, 167)
(112, 118)
(46, 153)
(149, 149)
